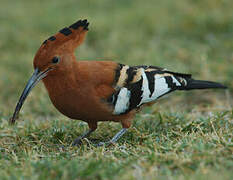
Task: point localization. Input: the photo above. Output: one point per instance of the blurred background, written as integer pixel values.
(187, 135)
(189, 36)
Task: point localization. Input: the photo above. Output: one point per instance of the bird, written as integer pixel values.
(94, 91)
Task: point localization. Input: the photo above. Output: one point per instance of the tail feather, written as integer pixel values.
(199, 84)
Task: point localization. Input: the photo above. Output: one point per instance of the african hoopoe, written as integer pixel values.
(99, 90)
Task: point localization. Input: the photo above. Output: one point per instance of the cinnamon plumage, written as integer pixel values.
(94, 91)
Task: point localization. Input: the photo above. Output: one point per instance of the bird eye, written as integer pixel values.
(55, 60)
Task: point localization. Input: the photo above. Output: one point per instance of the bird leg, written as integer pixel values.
(115, 138)
(78, 141)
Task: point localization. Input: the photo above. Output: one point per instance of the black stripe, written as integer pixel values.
(118, 72)
(66, 31)
(113, 98)
(151, 81)
(170, 83)
(141, 66)
(149, 67)
(80, 23)
(86, 27)
(179, 74)
(136, 94)
(155, 67)
(76, 25)
(45, 41)
(52, 38)
(160, 72)
(85, 24)
(131, 72)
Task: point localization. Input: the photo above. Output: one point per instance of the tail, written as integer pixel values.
(199, 84)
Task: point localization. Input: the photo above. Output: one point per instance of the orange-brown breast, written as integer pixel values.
(82, 92)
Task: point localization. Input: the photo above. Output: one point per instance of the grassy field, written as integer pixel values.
(188, 135)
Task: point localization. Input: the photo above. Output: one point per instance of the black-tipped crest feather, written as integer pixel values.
(67, 30)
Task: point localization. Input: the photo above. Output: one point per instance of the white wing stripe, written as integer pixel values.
(145, 89)
(161, 87)
(176, 81)
(122, 103)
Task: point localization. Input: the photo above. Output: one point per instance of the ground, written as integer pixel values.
(187, 135)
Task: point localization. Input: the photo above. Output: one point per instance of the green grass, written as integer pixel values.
(187, 135)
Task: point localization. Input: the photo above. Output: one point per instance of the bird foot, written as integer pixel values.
(108, 143)
(77, 142)
(100, 144)
(61, 147)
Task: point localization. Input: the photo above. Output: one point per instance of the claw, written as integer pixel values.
(104, 144)
(100, 144)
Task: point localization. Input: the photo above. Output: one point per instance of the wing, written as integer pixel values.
(138, 85)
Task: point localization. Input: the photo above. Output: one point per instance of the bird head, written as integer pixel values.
(55, 54)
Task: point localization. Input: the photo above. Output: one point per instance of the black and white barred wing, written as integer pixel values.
(139, 85)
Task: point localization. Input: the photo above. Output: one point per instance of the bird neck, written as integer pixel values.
(59, 80)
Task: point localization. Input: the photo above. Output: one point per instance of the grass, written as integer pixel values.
(187, 135)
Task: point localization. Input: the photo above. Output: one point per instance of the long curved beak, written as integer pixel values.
(35, 78)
